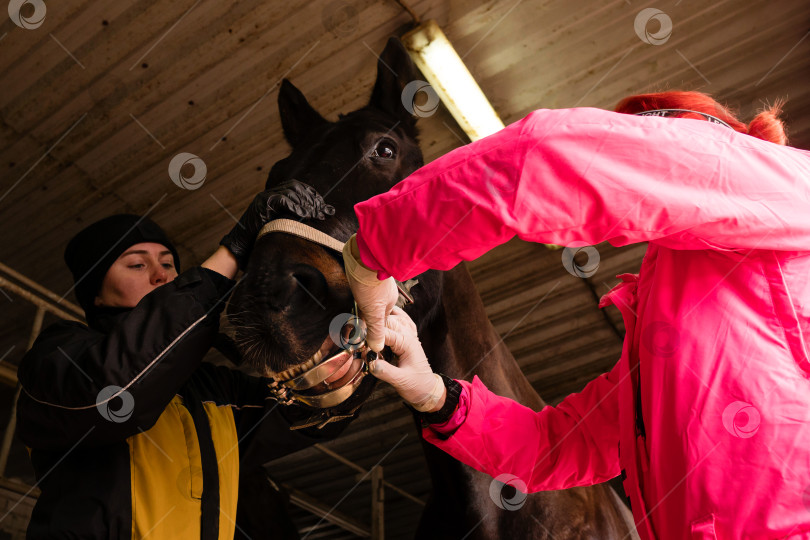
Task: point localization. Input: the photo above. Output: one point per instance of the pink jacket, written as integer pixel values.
(717, 320)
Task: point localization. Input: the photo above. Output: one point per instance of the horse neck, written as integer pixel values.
(469, 345)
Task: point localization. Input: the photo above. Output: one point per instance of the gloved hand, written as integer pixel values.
(413, 378)
(374, 298)
(293, 196)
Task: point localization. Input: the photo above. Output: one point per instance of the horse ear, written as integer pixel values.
(297, 115)
(395, 70)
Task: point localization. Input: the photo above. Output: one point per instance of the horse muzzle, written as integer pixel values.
(323, 383)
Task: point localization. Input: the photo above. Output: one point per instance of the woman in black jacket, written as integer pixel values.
(130, 433)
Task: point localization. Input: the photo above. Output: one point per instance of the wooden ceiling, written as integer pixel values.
(96, 101)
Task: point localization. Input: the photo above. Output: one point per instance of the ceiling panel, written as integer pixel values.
(96, 102)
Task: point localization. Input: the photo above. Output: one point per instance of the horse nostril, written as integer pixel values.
(288, 286)
(311, 282)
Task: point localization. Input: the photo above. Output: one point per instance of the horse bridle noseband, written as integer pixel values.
(306, 383)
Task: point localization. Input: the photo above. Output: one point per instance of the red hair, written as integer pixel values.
(766, 125)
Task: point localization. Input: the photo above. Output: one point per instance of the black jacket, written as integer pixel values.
(130, 433)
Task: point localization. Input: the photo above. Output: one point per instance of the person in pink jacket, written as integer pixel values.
(707, 411)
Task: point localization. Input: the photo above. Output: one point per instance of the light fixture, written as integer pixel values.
(444, 70)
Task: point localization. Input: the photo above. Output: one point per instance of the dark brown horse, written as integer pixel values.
(294, 288)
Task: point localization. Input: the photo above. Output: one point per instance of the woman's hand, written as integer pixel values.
(413, 378)
(293, 196)
(374, 298)
(223, 262)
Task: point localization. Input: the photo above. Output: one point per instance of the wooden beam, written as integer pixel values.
(377, 504)
(78, 312)
(325, 512)
(362, 471)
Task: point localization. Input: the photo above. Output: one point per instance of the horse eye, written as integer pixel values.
(384, 150)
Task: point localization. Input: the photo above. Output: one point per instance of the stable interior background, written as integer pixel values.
(96, 101)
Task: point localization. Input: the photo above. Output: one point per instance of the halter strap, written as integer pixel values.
(296, 228)
(301, 230)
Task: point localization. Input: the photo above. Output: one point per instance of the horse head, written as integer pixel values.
(294, 290)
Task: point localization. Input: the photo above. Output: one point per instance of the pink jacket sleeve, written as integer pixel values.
(582, 176)
(573, 444)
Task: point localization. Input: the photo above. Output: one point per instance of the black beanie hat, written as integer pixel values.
(95, 248)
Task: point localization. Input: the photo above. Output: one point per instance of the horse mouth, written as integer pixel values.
(339, 360)
(327, 379)
(341, 370)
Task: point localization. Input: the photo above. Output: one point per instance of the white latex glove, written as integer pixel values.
(413, 378)
(374, 298)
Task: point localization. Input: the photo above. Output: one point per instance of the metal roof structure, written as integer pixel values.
(98, 99)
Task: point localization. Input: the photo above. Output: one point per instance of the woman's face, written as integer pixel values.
(138, 271)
